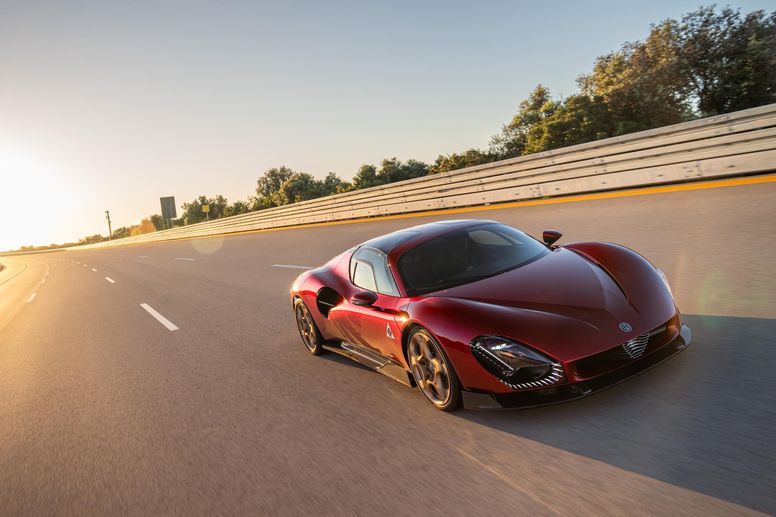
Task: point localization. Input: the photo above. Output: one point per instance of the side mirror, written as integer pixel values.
(551, 236)
(363, 298)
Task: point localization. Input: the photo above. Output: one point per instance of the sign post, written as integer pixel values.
(206, 210)
(168, 209)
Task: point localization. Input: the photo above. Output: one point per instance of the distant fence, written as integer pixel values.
(738, 143)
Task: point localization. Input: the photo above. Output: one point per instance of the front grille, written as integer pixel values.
(636, 346)
(627, 352)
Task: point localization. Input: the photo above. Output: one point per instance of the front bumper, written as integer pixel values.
(567, 392)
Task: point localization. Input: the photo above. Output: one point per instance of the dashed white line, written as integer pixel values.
(43, 281)
(142, 256)
(85, 265)
(183, 258)
(109, 279)
(94, 270)
(32, 297)
(161, 319)
(291, 266)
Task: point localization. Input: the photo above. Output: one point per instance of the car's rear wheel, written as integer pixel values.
(308, 330)
(432, 371)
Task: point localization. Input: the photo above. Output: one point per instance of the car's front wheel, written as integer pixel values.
(308, 330)
(432, 371)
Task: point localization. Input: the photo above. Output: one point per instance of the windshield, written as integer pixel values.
(465, 256)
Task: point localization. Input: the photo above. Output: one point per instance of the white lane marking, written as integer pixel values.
(85, 265)
(43, 281)
(291, 266)
(32, 297)
(161, 319)
(109, 279)
(183, 258)
(142, 256)
(94, 270)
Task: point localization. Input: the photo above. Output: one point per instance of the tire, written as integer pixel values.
(433, 371)
(308, 330)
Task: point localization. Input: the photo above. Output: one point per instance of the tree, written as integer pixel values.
(512, 140)
(120, 233)
(268, 185)
(728, 60)
(454, 161)
(192, 212)
(145, 226)
(91, 239)
(238, 207)
(391, 170)
(365, 177)
(641, 84)
(301, 186)
(158, 222)
(576, 120)
(333, 184)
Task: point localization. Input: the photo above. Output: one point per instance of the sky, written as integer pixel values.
(111, 105)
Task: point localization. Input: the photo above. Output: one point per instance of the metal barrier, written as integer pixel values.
(737, 143)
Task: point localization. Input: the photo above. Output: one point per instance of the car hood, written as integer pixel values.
(561, 303)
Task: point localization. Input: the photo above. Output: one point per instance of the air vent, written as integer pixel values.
(326, 299)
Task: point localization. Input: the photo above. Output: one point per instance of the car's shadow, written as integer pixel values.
(704, 420)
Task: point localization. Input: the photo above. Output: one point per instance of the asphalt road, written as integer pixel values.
(103, 410)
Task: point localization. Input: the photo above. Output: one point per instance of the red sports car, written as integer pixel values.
(479, 313)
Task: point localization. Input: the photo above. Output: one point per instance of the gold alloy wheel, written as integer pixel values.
(429, 368)
(304, 321)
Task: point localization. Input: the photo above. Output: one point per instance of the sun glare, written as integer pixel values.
(35, 201)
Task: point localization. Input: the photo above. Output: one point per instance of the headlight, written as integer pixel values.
(511, 362)
(665, 281)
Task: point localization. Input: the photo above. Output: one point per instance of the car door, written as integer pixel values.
(372, 326)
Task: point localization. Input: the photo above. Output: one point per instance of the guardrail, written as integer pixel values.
(737, 143)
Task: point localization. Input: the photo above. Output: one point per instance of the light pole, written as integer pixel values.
(107, 216)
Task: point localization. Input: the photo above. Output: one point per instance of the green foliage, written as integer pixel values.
(576, 120)
(365, 177)
(513, 139)
(145, 226)
(158, 222)
(238, 207)
(91, 239)
(52, 246)
(192, 212)
(334, 185)
(470, 158)
(641, 85)
(120, 233)
(728, 60)
(390, 170)
(301, 186)
(268, 185)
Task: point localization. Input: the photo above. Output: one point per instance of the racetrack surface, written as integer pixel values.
(104, 410)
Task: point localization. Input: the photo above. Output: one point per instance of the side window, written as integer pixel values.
(369, 270)
(363, 275)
